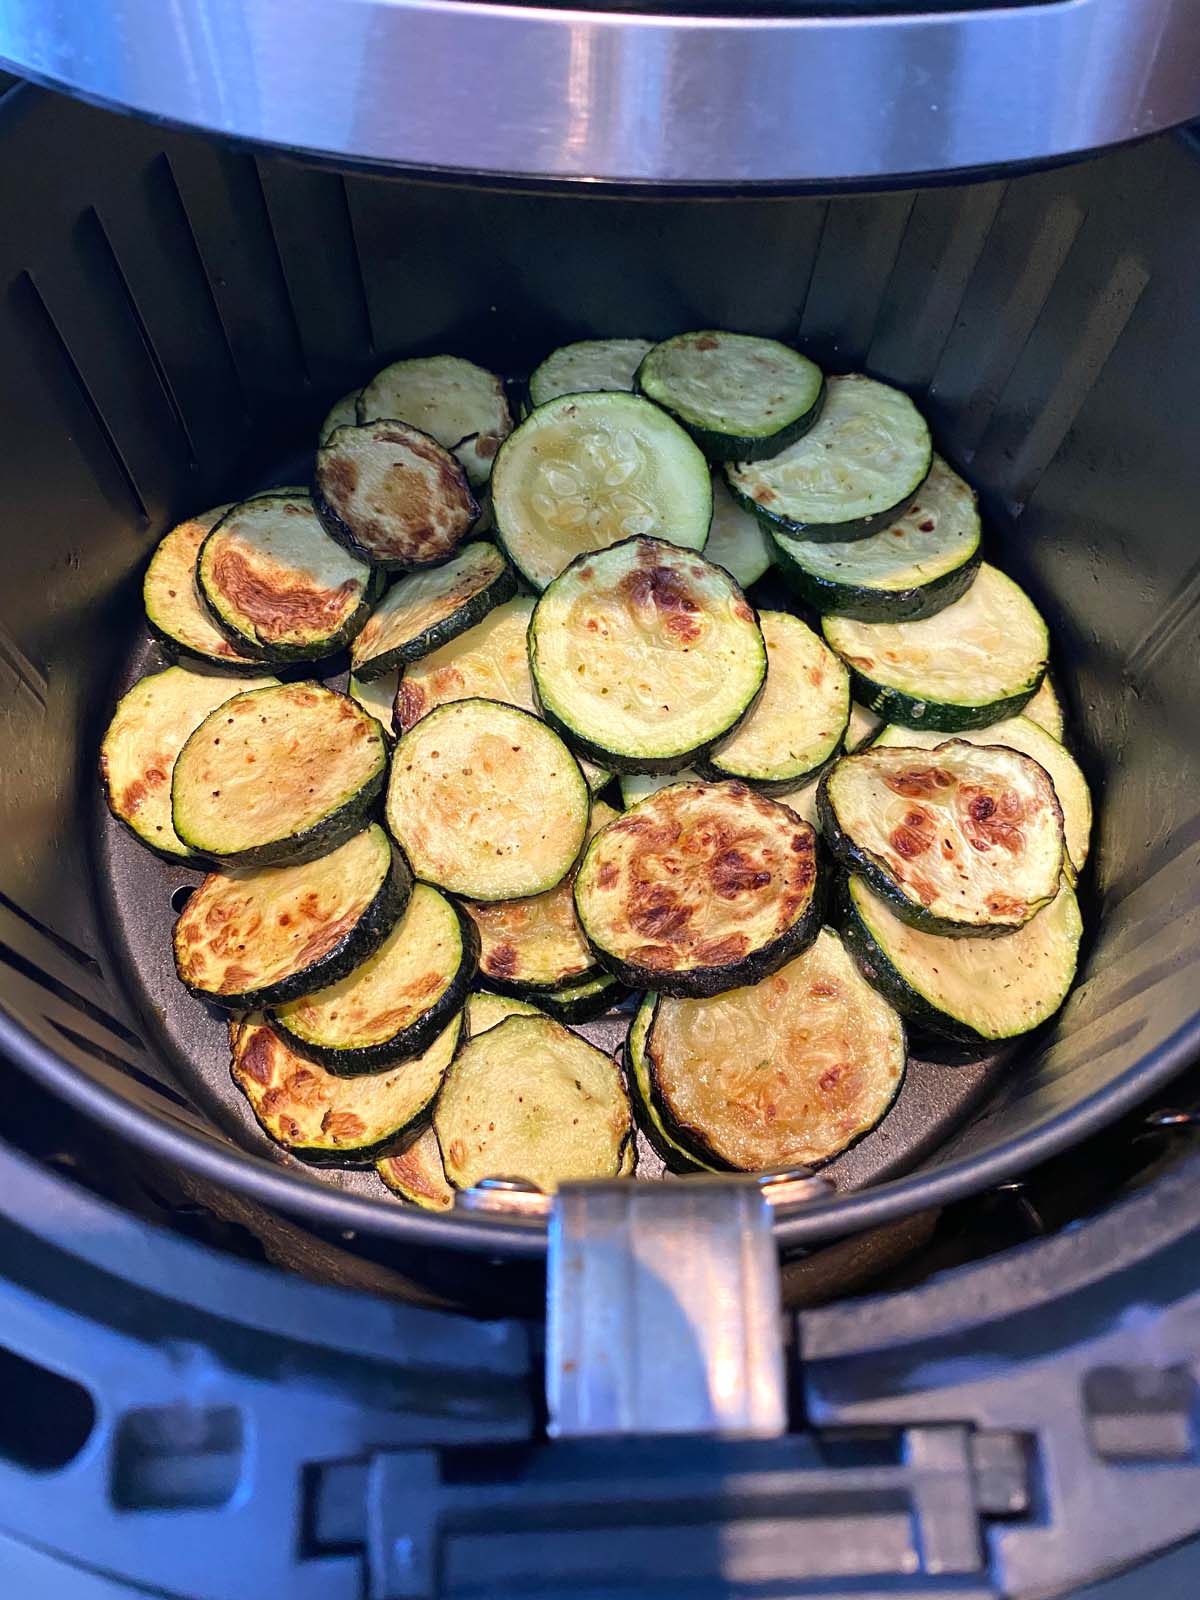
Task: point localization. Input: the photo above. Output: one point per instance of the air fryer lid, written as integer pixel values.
(795, 94)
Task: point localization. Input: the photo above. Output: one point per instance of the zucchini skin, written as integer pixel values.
(865, 604)
(894, 705)
(684, 1141)
(829, 532)
(719, 446)
(433, 638)
(648, 1118)
(411, 1041)
(367, 934)
(565, 1005)
(615, 762)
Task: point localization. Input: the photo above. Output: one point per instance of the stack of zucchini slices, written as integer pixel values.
(415, 890)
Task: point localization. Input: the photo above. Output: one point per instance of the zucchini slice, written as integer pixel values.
(587, 366)
(277, 774)
(265, 936)
(484, 1010)
(975, 991)
(277, 585)
(740, 397)
(800, 719)
(529, 1099)
(326, 1119)
(644, 655)
(700, 888)
(637, 1076)
(581, 1002)
(392, 495)
(964, 840)
(391, 1007)
(460, 405)
(785, 1073)
(588, 470)
(1045, 709)
(1020, 733)
(487, 801)
(428, 609)
(975, 662)
(175, 612)
(378, 699)
(853, 473)
(536, 943)
(736, 540)
(416, 1173)
(914, 568)
(150, 726)
(488, 662)
(342, 413)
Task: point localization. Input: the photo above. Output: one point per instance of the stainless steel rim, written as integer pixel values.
(461, 87)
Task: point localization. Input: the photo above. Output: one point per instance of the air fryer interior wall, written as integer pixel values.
(177, 316)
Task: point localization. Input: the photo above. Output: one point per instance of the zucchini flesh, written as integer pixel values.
(586, 471)
(416, 1173)
(529, 1099)
(800, 719)
(263, 936)
(428, 609)
(176, 613)
(462, 406)
(851, 474)
(699, 888)
(740, 397)
(637, 1075)
(327, 1119)
(635, 786)
(970, 990)
(1020, 733)
(377, 697)
(862, 728)
(484, 1010)
(914, 568)
(645, 655)
(487, 801)
(785, 1073)
(342, 413)
(736, 540)
(590, 997)
(277, 774)
(150, 726)
(392, 495)
(975, 662)
(536, 943)
(963, 840)
(587, 366)
(488, 662)
(391, 1006)
(277, 585)
(1045, 709)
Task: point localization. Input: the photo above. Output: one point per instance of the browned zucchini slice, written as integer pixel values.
(417, 1174)
(428, 609)
(174, 609)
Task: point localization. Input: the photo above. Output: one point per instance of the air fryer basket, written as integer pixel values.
(178, 315)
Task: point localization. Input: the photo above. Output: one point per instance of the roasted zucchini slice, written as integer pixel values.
(914, 568)
(277, 774)
(266, 935)
(536, 943)
(461, 405)
(487, 801)
(785, 1073)
(588, 470)
(150, 726)
(736, 540)
(428, 609)
(1020, 733)
(392, 495)
(175, 612)
(975, 991)
(701, 887)
(644, 656)
(637, 1076)
(963, 840)
(277, 585)
(529, 1099)
(585, 999)
(1045, 709)
(975, 662)
(393, 1004)
(488, 662)
(587, 366)
(378, 699)
(854, 472)
(417, 1174)
(800, 719)
(740, 397)
(342, 413)
(330, 1120)
(484, 1010)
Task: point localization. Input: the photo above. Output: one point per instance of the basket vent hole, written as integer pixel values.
(181, 896)
(45, 1419)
